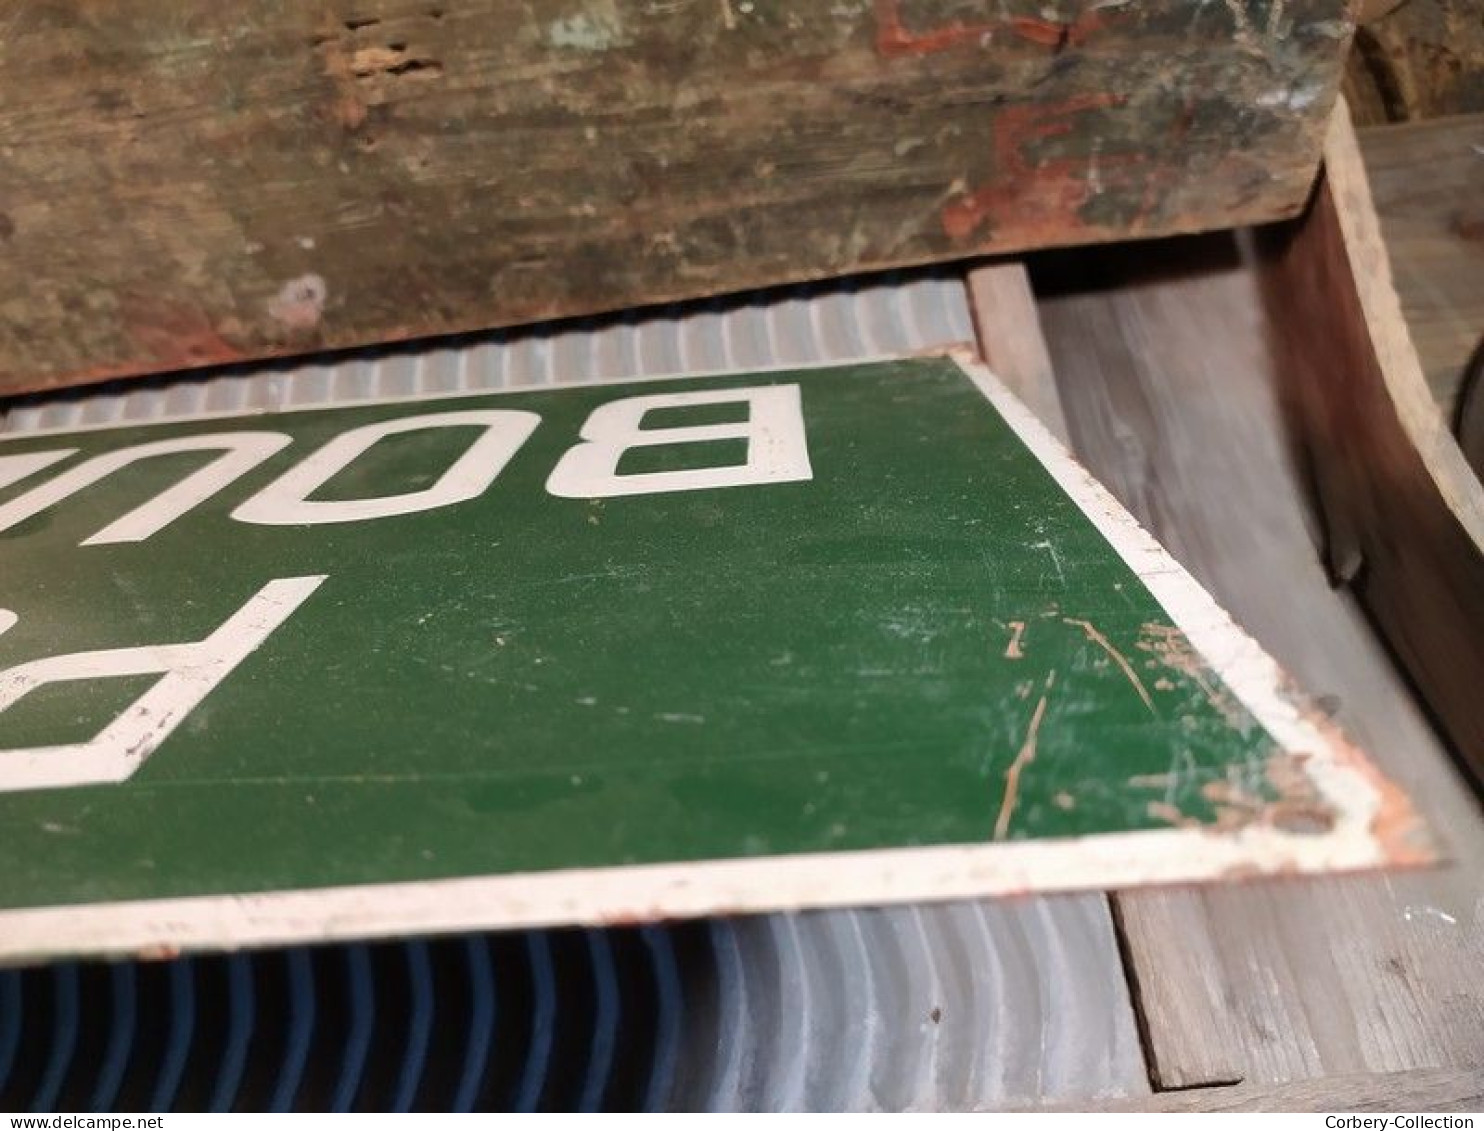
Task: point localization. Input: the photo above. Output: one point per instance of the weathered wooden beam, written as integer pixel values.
(1416, 59)
(1405, 511)
(1434, 230)
(187, 182)
(1008, 330)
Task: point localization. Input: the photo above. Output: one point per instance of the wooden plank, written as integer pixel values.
(1425, 178)
(199, 182)
(1172, 399)
(1429, 1090)
(1008, 331)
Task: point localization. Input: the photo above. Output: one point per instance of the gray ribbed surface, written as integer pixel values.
(947, 1006)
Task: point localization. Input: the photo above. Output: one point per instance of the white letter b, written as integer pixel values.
(777, 451)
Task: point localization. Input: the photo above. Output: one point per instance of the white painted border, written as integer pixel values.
(827, 879)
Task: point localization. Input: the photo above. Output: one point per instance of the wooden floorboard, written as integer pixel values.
(1430, 1090)
(1164, 377)
(1171, 402)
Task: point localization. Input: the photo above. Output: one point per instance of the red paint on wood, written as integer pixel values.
(895, 39)
(1060, 186)
(174, 336)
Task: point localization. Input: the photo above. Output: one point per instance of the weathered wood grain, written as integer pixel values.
(1174, 402)
(1431, 1090)
(190, 182)
(1008, 331)
(1416, 59)
(1428, 182)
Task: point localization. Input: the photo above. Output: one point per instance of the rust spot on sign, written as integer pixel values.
(1171, 648)
(1025, 756)
(1094, 636)
(1396, 826)
(1014, 650)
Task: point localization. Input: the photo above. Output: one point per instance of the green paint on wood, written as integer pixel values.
(867, 658)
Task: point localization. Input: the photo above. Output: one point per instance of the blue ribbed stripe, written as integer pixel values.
(362, 1020)
(301, 1030)
(10, 1022)
(481, 1022)
(667, 1018)
(605, 1021)
(64, 1039)
(419, 1026)
(733, 1022)
(120, 1037)
(178, 1040)
(240, 1017)
(543, 1022)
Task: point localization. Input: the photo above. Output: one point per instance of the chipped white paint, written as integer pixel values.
(1413, 913)
(1296, 98)
(300, 302)
(599, 28)
(1250, 673)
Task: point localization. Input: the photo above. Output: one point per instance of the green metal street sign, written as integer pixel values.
(615, 651)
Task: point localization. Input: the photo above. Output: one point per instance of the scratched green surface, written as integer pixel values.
(522, 682)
